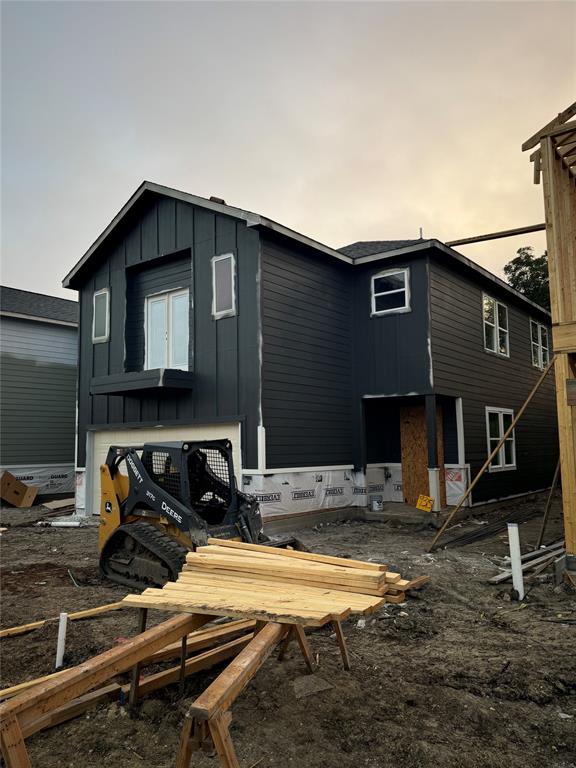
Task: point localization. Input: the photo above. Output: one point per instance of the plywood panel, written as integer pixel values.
(414, 449)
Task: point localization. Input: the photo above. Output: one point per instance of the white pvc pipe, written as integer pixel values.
(60, 645)
(516, 559)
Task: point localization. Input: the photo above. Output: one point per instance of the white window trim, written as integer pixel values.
(500, 412)
(225, 312)
(152, 297)
(106, 337)
(540, 326)
(496, 327)
(406, 308)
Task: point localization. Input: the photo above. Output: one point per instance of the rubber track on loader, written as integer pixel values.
(169, 552)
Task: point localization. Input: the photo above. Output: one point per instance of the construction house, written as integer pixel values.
(377, 372)
(39, 352)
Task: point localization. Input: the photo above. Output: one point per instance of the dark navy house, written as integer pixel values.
(382, 370)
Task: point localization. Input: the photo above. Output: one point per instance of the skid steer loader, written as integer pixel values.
(169, 498)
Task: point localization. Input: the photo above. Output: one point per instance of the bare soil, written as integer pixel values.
(460, 676)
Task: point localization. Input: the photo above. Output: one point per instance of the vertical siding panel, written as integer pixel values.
(134, 245)
(205, 351)
(184, 225)
(227, 330)
(166, 225)
(149, 237)
(248, 245)
(117, 321)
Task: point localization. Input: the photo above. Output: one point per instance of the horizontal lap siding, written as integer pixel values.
(307, 358)
(37, 392)
(163, 245)
(463, 368)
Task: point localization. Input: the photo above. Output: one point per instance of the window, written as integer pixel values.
(391, 292)
(495, 326)
(498, 421)
(539, 344)
(223, 286)
(167, 325)
(101, 316)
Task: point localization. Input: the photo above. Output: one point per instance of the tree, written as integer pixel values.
(528, 274)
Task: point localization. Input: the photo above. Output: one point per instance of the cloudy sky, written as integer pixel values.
(345, 121)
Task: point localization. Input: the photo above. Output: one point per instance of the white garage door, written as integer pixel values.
(99, 442)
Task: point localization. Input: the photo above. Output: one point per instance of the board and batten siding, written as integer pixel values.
(37, 392)
(160, 235)
(462, 368)
(307, 358)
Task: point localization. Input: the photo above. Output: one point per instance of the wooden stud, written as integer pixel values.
(219, 725)
(89, 612)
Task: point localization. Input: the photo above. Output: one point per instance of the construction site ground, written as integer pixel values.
(459, 676)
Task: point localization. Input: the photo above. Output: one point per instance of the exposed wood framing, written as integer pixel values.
(557, 142)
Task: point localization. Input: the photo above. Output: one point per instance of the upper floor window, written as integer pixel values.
(495, 326)
(101, 315)
(539, 344)
(498, 422)
(167, 325)
(391, 291)
(223, 286)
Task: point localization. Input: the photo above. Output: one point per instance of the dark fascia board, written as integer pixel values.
(251, 219)
(139, 381)
(437, 245)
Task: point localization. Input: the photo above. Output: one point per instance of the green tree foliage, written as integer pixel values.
(528, 274)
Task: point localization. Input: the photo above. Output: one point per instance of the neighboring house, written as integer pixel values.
(383, 370)
(38, 370)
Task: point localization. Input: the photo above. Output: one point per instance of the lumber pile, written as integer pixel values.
(230, 578)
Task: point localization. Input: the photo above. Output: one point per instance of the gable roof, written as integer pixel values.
(251, 219)
(356, 253)
(369, 247)
(37, 306)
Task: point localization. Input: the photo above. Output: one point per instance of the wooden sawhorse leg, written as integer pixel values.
(133, 694)
(297, 633)
(342, 643)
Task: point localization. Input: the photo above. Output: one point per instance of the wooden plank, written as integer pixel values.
(220, 695)
(295, 554)
(273, 558)
(318, 571)
(356, 601)
(260, 613)
(41, 699)
(399, 598)
(12, 744)
(284, 600)
(561, 118)
(414, 450)
(85, 614)
(378, 592)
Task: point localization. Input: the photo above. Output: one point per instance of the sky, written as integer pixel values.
(344, 121)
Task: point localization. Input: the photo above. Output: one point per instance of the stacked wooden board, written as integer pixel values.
(235, 579)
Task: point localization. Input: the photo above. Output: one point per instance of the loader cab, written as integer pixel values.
(200, 475)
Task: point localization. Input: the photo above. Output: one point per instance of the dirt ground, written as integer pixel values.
(459, 676)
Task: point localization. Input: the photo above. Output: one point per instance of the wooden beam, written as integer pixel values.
(486, 464)
(560, 209)
(12, 744)
(42, 699)
(342, 644)
(221, 694)
(497, 235)
(571, 392)
(562, 117)
(564, 337)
